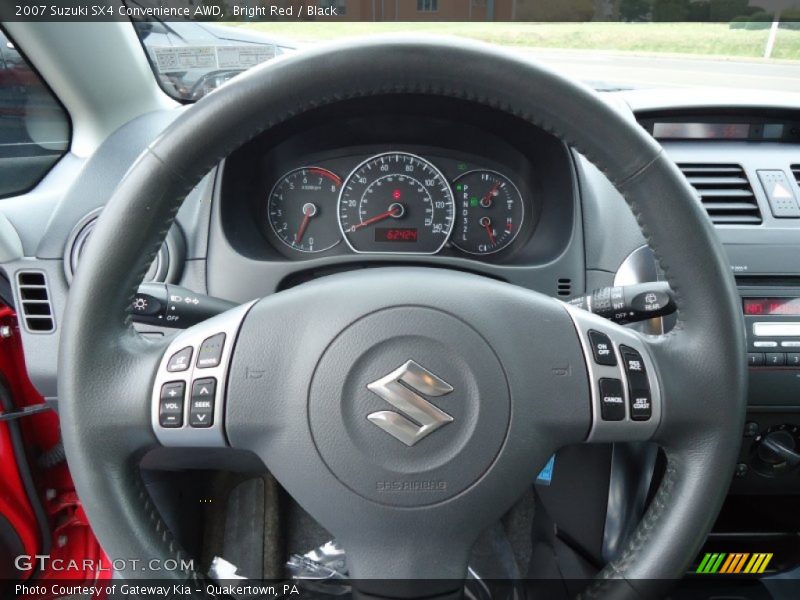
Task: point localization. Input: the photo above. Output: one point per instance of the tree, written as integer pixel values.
(670, 10)
(634, 10)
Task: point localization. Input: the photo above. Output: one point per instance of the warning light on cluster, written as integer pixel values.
(396, 194)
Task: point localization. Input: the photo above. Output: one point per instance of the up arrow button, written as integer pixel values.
(201, 408)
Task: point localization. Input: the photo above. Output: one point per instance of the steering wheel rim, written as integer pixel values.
(107, 425)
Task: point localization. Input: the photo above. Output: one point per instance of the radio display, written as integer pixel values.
(394, 234)
(771, 306)
(701, 131)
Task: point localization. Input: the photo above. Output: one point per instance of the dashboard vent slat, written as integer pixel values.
(725, 193)
(796, 173)
(34, 304)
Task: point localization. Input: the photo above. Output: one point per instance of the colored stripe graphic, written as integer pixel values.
(758, 564)
(734, 563)
(726, 566)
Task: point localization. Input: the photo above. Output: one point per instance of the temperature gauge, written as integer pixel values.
(489, 212)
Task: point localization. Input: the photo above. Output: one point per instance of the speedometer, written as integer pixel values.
(396, 203)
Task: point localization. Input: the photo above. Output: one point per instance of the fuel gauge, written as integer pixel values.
(489, 212)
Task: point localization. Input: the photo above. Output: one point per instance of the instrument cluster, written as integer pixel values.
(396, 202)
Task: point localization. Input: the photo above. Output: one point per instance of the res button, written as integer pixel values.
(638, 384)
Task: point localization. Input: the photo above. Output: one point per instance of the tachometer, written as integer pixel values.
(302, 209)
(396, 202)
(489, 212)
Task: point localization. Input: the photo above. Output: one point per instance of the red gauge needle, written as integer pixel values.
(395, 210)
(486, 223)
(486, 201)
(309, 210)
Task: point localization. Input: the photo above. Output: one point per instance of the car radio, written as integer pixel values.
(773, 331)
(772, 321)
(769, 456)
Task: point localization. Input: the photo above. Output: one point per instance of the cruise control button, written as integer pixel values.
(210, 352)
(201, 407)
(641, 407)
(602, 349)
(180, 361)
(612, 403)
(775, 359)
(638, 384)
(170, 410)
(755, 359)
(634, 367)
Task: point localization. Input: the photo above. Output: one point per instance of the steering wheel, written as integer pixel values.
(318, 381)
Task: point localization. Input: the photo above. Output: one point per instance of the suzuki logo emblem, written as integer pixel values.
(402, 388)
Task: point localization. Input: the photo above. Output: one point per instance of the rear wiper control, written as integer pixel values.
(170, 305)
(630, 303)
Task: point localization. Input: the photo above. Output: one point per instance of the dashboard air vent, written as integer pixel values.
(564, 287)
(34, 297)
(725, 192)
(796, 173)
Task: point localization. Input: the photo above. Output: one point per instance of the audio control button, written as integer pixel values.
(755, 359)
(775, 359)
(210, 353)
(793, 359)
(180, 361)
(765, 344)
(201, 408)
(170, 410)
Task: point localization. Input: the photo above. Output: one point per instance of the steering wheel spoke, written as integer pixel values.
(626, 391)
(189, 390)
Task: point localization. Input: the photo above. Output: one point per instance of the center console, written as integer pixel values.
(770, 454)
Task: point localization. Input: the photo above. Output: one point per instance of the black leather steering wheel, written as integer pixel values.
(511, 368)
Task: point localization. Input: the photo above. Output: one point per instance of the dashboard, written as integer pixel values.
(423, 178)
(397, 202)
(451, 184)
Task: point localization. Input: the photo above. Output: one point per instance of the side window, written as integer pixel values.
(34, 127)
(427, 5)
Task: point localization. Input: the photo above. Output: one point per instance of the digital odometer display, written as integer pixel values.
(771, 306)
(406, 234)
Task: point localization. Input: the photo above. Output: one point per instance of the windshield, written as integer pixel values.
(635, 44)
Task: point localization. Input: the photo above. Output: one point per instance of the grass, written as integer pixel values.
(706, 39)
